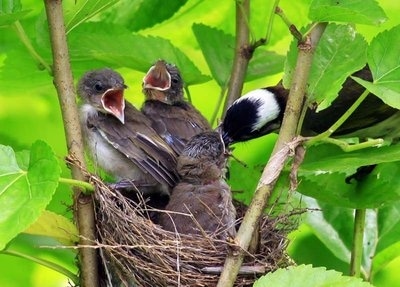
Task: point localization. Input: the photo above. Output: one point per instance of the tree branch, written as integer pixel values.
(276, 163)
(242, 55)
(63, 80)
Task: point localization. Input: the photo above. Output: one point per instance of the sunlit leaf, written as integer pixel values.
(115, 46)
(56, 226)
(138, 15)
(10, 6)
(24, 194)
(353, 11)
(384, 63)
(218, 50)
(306, 275)
(264, 63)
(340, 52)
(8, 19)
(84, 10)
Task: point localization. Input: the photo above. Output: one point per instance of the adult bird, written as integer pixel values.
(174, 119)
(260, 112)
(201, 203)
(120, 138)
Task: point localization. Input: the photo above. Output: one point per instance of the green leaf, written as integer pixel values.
(388, 247)
(218, 49)
(84, 10)
(8, 19)
(24, 194)
(264, 63)
(10, 6)
(306, 275)
(56, 226)
(138, 15)
(352, 11)
(384, 63)
(340, 52)
(326, 167)
(333, 225)
(114, 45)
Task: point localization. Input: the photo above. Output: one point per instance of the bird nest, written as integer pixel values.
(136, 252)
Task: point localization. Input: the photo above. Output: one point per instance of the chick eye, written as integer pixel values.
(175, 80)
(98, 87)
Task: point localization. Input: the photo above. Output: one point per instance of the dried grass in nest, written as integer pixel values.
(137, 252)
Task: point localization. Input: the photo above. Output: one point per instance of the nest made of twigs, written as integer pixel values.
(137, 252)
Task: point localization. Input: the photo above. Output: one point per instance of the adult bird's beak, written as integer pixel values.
(158, 77)
(113, 102)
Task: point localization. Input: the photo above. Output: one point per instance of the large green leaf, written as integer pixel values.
(306, 275)
(81, 11)
(384, 63)
(325, 168)
(114, 45)
(340, 52)
(388, 247)
(352, 11)
(138, 15)
(24, 194)
(55, 226)
(333, 225)
(218, 49)
(8, 19)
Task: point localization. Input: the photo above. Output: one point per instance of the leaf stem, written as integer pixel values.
(357, 246)
(218, 106)
(44, 262)
(27, 42)
(83, 184)
(340, 121)
(292, 28)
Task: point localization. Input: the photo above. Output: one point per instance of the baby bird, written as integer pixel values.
(174, 119)
(120, 138)
(201, 203)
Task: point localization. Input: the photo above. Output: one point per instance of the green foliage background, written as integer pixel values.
(129, 36)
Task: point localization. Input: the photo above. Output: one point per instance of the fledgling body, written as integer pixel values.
(202, 200)
(174, 119)
(120, 138)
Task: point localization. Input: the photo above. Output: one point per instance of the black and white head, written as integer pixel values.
(104, 90)
(163, 82)
(257, 113)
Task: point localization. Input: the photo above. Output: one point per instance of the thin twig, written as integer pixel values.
(357, 246)
(27, 43)
(63, 80)
(275, 164)
(242, 55)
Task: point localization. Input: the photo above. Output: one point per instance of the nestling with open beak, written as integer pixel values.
(120, 138)
(174, 119)
(202, 201)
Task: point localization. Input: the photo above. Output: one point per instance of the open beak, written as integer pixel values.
(158, 77)
(113, 102)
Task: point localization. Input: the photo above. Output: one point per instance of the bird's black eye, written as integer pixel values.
(98, 87)
(175, 80)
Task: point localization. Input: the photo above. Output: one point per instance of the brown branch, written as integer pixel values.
(63, 80)
(242, 54)
(282, 151)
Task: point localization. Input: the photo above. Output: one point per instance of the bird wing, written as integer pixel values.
(138, 142)
(176, 124)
